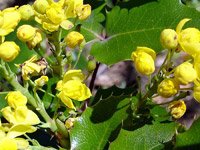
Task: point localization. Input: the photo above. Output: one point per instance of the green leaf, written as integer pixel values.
(92, 28)
(95, 126)
(141, 26)
(159, 113)
(190, 137)
(145, 138)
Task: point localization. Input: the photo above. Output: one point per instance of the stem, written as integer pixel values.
(78, 57)
(11, 78)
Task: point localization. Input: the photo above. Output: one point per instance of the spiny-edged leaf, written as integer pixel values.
(91, 28)
(190, 137)
(144, 138)
(114, 91)
(159, 113)
(141, 26)
(95, 126)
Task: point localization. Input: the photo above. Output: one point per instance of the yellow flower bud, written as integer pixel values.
(143, 62)
(11, 18)
(185, 73)
(168, 88)
(83, 11)
(16, 99)
(74, 39)
(26, 33)
(73, 75)
(55, 14)
(26, 12)
(177, 108)
(71, 6)
(169, 39)
(35, 40)
(9, 51)
(40, 6)
(70, 122)
(41, 81)
(196, 93)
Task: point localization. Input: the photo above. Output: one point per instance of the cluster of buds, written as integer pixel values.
(187, 73)
(52, 14)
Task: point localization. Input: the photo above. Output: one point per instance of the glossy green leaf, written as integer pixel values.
(92, 28)
(145, 138)
(190, 137)
(95, 126)
(141, 26)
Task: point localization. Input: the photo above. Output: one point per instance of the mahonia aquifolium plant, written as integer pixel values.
(49, 91)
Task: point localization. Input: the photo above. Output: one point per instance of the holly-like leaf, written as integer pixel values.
(140, 26)
(96, 125)
(190, 138)
(92, 28)
(145, 138)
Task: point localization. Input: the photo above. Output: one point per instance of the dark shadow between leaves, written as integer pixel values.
(106, 109)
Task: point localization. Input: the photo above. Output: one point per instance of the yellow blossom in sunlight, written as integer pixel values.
(71, 87)
(20, 115)
(9, 51)
(185, 73)
(177, 108)
(83, 11)
(189, 38)
(26, 12)
(169, 39)
(168, 88)
(143, 59)
(10, 18)
(26, 32)
(71, 6)
(74, 39)
(16, 99)
(41, 81)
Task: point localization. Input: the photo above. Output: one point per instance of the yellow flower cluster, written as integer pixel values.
(52, 14)
(187, 40)
(72, 88)
(21, 120)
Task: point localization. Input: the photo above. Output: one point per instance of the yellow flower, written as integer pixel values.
(74, 39)
(31, 68)
(26, 12)
(169, 39)
(10, 18)
(143, 59)
(185, 73)
(177, 108)
(188, 39)
(20, 115)
(35, 40)
(41, 81)
(9, 51)
(70, 122)
(40, 6)
(8, 144)
(71, 6)
(16, 99)
(83, 11)
(26, 33)
(71, 87)
(168, 88)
